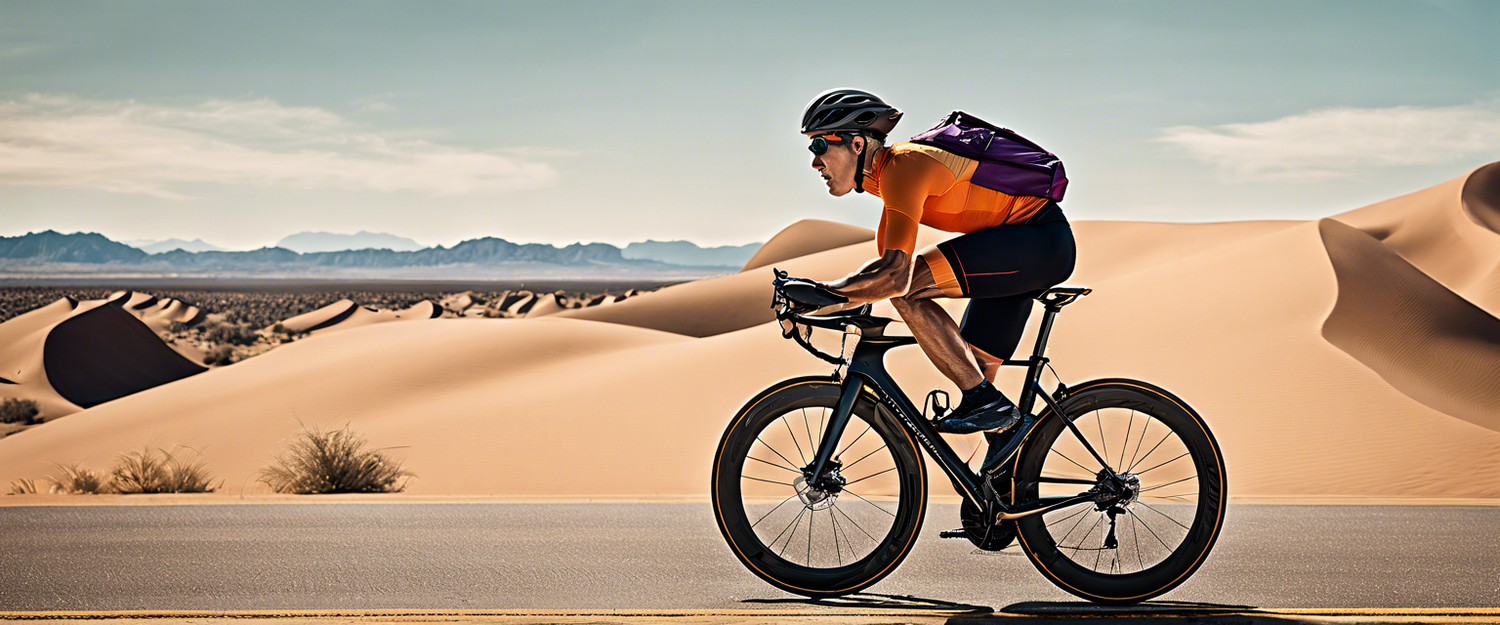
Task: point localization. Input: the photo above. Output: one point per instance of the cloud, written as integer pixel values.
(129, 147)
(1338, 142)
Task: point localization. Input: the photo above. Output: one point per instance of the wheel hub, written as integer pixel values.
(823, 492)
(1116, 490)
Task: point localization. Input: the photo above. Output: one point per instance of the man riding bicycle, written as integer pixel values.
(1011, 248)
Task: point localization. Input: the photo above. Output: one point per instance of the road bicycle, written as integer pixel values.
(1114, 489)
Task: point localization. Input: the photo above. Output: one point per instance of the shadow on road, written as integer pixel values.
(884, 602)
(1151, 612)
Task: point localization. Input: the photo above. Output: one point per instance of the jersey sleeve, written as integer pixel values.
(908, 180)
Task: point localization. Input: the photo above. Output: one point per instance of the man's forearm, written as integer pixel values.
(881, 278)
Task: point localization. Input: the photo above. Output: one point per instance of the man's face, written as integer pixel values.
(837, 165)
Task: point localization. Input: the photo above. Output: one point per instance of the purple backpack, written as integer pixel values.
(1008, 163)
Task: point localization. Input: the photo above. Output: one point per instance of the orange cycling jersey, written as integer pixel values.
(926, 185)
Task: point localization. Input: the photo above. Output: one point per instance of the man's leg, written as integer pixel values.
(935, 331)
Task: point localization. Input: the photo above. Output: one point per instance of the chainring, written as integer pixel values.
(983, 532)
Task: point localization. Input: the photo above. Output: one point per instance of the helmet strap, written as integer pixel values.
(859, 169)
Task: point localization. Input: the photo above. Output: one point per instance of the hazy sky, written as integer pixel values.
(620, 121)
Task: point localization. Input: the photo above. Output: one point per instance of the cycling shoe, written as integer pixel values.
(1003, 445)
(996, 416)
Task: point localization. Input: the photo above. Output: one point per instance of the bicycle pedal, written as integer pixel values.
(958, 533)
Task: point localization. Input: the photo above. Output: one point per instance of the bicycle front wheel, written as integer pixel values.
(816, 539)
(1144, 534)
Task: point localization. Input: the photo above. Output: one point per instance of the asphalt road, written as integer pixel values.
(669, 556)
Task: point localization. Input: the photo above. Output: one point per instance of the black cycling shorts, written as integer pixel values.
(1001, 270)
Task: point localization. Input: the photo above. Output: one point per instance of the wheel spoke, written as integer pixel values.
(1085, 534)
(851, 465)
(790, 526)
(1185, 453)
(1075, 462)
(773, 450)
(1137, 538)
(1103, 442)
(1153, 449)
(1193, 476)
(782, 467)
(1074, 528)
(1182, 497)
(868, 477)
(1179, 524)
(806, 427)
(810, 516)
(821, 416)
(787, 423)
(747, 477)
(837, 550)
(1126, 444)
(1084, 510)
(856, 523)
(1138, 442)
(1152, 531)
(851, 443)
(773, 510)
(872, 504)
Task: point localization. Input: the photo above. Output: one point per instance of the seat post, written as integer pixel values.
(1045, 331)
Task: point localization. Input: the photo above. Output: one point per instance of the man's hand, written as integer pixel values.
(882, 278)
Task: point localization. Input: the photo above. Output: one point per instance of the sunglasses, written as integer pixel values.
(820, 143)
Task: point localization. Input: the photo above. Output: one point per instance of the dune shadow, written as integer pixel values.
(883, 602)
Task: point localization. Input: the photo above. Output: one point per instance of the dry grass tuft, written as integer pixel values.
(76, 480)
(22, 486)
(333, 461)
(159, 471)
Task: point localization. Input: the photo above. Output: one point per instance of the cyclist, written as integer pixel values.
(1011, 248)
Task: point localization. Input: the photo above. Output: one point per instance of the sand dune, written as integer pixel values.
(1422, 338)
(68, 355)
(805, 237)
(1447, 231)
(1231, 317)
(548, 304)
(324, 317)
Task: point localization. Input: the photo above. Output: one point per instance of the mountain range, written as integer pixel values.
(152, 246)
(310, 242)
(96, 249)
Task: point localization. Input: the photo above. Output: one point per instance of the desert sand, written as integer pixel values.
(1354, 356)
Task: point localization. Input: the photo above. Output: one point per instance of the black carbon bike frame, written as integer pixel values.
(866, 368)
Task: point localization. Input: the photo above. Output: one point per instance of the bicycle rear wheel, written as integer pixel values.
(806, 540)
(1158, 528)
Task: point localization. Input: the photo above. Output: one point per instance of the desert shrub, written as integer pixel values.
(23, 411)
(231, 334)
(333, 461)
(159, 471)
(76, 480)
(176, 327)
(221, 355)
(283, 330)
(23, 486)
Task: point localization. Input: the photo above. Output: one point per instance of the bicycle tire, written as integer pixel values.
(762, 559)
(1066, 566)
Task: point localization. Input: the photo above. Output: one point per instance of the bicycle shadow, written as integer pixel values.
(1150, 612)
(883, 602)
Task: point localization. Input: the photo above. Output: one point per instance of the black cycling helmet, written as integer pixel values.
(850, 110)
(854, 111)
